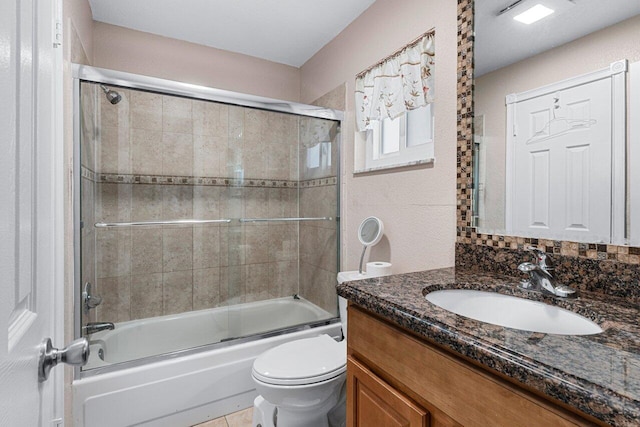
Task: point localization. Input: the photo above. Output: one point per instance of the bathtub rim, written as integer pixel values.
(80, 374)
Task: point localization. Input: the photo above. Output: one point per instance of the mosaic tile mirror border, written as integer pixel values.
(466, 232)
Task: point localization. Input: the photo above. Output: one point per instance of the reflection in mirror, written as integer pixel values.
(552, 101)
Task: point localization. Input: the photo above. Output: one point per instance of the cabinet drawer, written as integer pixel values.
(372, 402)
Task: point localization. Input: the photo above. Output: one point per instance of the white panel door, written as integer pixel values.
(29, 210)
(562, 164)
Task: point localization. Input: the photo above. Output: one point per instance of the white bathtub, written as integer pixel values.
(185, 389)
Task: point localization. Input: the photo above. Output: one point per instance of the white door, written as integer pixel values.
(30, 219)
(562, 164)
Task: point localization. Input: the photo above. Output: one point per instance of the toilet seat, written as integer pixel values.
(301, 362)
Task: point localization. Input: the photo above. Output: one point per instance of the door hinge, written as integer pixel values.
(57, 34)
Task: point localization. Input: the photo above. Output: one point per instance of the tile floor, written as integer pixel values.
(237, 419)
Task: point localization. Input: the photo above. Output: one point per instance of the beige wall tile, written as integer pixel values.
(146, 296)
(113, 202)
(255, 124)
(278, 161)
(257, 286)
(319, 287)
(318, 247)
(206, 246)
(177, 289)
(113, 253)
(234, 202)
(257, 244)
(177, 154)
(146, 202)
(114, 150)
(209, 156)
(254, 160)
(236, 122)
(232, 284)
(235, 158)
(176, 114)
(206, 288)
(146, 151)
(146, 110)
(146, 250)
(88, 201)
(283, 242)
(116, 299)
(232, 246)
(256, 202)
(210, 118)
(283, 203)
(283, 279)
(88, 135)
(177, 202)
(177, 249)
(209, 202)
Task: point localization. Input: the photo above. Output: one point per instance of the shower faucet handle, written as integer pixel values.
(90, 300)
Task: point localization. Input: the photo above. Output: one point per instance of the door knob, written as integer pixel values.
(76, 353)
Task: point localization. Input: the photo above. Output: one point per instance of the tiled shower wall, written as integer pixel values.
(163, 158)
(319, 240)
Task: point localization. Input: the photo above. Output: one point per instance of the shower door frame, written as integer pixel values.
(85, 73)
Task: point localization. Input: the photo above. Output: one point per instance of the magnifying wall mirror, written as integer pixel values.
(369, 233)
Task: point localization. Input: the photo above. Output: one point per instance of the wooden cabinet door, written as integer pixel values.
(372, 402)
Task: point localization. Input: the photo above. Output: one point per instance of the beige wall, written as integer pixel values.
(123, 49)
(587, 54)
(417, 205)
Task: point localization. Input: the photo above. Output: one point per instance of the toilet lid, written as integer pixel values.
(304, 361)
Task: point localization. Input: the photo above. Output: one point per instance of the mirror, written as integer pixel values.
(555, 146)
(369, 233)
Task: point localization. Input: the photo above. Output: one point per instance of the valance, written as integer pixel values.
(401, 82)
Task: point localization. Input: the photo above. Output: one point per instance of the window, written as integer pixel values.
(404, 140)
(400, 86)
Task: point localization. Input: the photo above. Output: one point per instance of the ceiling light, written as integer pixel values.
(534, 14)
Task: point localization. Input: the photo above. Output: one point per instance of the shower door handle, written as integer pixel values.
(76, 353)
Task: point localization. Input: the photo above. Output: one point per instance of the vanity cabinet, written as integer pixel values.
(397, 379)
(373, 402)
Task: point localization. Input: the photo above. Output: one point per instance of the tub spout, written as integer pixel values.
(93, 327)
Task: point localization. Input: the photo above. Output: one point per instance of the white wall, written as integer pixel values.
(417, 204)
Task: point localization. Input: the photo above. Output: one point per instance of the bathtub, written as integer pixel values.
(160, 384)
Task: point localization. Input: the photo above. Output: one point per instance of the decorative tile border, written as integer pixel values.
(464, 184)
(206, 181)
(87, 174)
(466, 231)
(319, 182)
(192, 180)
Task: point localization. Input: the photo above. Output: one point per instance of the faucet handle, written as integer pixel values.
(542, 258)
(527, 267)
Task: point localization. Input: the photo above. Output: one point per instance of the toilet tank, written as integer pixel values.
(348, 276)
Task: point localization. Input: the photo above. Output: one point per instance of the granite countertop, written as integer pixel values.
(597, 374)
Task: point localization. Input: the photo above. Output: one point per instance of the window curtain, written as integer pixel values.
(399, 83)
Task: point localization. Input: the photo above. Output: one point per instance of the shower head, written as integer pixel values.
(112, 96)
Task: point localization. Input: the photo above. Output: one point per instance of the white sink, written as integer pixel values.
(513, 312)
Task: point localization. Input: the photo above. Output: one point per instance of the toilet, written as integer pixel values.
(301, 381)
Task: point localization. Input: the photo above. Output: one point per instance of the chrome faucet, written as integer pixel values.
(541, 277)
(93, 327)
